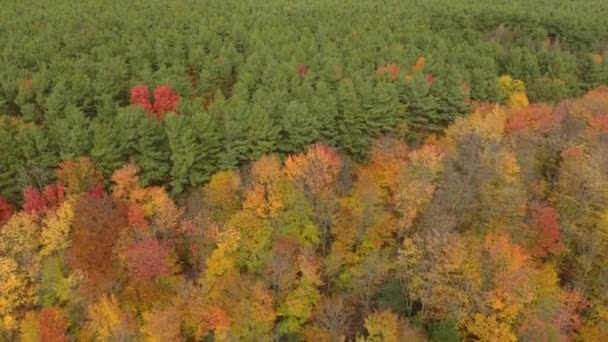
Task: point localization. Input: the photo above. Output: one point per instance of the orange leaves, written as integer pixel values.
(53, 325)
(78, 176)
(391, 70)
(317, 168)
(419, 65)
(97, 224)
(537, 117)
(125, 181)
(265, 194)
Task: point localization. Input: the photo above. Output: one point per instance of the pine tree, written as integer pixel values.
(208, 141)
(420, 105)
(109, 150)
(262, 133)
(234, 133)
(385, 108)
(299, 128)
(182, 144)
(325, 109)
(39, 156)
(71, 134)
(152, 153)
(450, 103)
(11, 159)
(353, 133)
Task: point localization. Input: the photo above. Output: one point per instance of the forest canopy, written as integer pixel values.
(316, 170)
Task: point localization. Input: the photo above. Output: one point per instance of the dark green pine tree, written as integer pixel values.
(594, 73)
(208, 148)
(325, 109)
(484, 87)
(233, 131)
(450, 98)
(299, 128)
(385, 110)
(109, 150)
(71, 134)
(38, 154)
(184, 149)
(152, 153)
(11, 159)
(420, 105)
(353, 136)
(262, 133)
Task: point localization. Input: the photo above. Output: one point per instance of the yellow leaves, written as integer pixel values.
(508, 85)
(162, 325)
(518, 100)
(221, 193)
(14, 288)
(19, 238)
(514, 90)
(106, 320)
(56, 228)
(382, 326)
(30, 327)
(487, 328)
(222, 259)
(486, 121)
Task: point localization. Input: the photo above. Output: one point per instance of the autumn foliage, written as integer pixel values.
(495, 230)
(165, 100)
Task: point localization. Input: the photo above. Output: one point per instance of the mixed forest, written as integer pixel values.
(316, 170)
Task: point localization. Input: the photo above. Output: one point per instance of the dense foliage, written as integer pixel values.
(497, 231)
(252, 77)
(315, 170)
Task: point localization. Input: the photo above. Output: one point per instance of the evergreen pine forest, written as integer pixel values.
(315, 170)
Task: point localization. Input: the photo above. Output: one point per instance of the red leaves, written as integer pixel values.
(6, 211)
(600, 121)
(53, 325)
(35, 202)
(165, 100)
(148, 259)
(573, 153)
(140, 96)
(302, 71)
(549, 238)
(137, 218)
